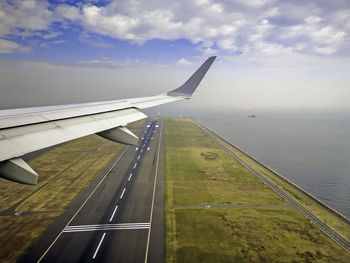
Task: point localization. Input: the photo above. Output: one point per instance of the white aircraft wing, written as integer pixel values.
(27, 130)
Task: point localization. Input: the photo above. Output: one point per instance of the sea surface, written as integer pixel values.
(310, 149)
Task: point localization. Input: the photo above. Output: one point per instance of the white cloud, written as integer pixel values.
(325, 50)
(30, 15)
(157, 23)
(300, 46)
(51, 35)
(264, 22)
(255, 3)
(209, 51)
(271, 49)
(24, 19)
(183, 61)
(7, 46)
(227, 44)
(267, 27)
(312, 19)
(69, 12)
(274, 11)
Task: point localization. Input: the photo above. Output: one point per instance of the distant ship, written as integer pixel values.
(251, 115)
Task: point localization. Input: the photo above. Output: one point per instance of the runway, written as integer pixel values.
(121, 218)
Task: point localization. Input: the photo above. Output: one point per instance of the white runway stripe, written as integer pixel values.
(115, 210)
(104, 227)
(121, 196)
(98, 247)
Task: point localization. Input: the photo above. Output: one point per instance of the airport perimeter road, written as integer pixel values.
(122, 218)
(292, 202)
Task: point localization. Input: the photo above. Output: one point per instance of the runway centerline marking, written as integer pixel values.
(115, 209)
(129, 177)
(123, 193)
(99, 244)
(135, 165)
(138, 158)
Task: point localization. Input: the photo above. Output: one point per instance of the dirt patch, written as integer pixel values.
(210, 156)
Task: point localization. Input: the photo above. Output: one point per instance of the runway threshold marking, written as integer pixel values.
(115, 209)
(106, 227)
(154, 191)
(98, 247)
(87, 199)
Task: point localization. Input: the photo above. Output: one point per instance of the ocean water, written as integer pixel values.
(310, 149)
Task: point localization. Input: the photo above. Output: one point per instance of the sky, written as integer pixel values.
(272, 54)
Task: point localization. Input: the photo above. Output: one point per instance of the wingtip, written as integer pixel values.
(187, 89)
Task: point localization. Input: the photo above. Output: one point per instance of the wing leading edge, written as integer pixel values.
(27, 130)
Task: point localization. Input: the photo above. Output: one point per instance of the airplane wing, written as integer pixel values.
(27, 130)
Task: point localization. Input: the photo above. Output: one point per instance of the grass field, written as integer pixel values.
(195, 164)
(19, 233)
(335, 223)
(246, 235)
(199, 172)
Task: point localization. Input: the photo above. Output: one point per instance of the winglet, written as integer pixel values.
(192, 83)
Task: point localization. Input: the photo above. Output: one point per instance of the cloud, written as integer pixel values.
(7, 46)
(29, 15)
(325, 50)
(183, 61)
(268, 27)
(68, 12)
(145, 26)
(265, 27)
(52, 35)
